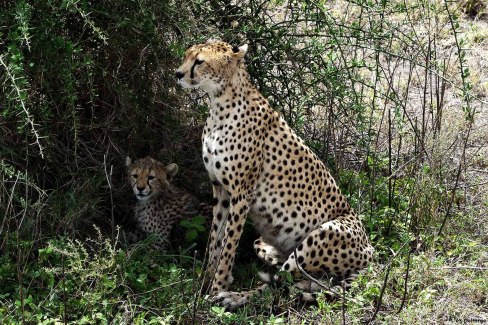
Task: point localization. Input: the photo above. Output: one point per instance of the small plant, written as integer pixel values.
(194, 227)
(222, 314)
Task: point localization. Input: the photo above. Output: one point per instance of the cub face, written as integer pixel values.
(148, 177)
(209, 66)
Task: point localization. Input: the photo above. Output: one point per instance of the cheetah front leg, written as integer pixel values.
(232, 299)
(220, 213)
(232, 233)
(233, 230)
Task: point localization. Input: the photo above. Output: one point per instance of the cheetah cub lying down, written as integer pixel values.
(161, 205)
(260, 168)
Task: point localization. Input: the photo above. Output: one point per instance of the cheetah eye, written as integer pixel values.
(150, 177)
(134, 175)
(198, 62)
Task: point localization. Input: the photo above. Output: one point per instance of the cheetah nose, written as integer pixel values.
(179, 75)
(140, 189)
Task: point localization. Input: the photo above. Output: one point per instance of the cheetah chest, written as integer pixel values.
(213, 152)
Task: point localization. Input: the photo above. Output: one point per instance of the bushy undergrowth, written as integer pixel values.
(95, 282)
(382, 91)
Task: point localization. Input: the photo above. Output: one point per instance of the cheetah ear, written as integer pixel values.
(240, 52)
(171, 170)
(128, 161)
(213, 40)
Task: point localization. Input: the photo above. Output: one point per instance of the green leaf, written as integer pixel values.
(186, 223)
(191, 234)
(198, 219)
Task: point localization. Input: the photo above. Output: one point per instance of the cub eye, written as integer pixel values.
(134, 175)
(150, 177)
(198, 62)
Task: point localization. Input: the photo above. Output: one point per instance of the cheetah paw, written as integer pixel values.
(269, 256)
(231, 299)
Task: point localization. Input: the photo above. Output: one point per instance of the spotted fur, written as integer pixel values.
(260, 168)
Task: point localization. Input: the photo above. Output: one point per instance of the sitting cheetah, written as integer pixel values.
(260, 168)
(161, 205)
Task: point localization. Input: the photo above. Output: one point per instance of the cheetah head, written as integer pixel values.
(148, 176)
(210, 66)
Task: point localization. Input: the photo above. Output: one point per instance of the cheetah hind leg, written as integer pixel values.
(336, 251)
(331, 288)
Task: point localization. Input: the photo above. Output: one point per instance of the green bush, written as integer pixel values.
(92, 282)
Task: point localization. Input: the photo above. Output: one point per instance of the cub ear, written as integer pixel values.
(171, 170)
(213, 40)
(240, 52)
(128, 161)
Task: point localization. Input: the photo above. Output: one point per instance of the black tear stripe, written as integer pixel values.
(192, 73)
(148, 182)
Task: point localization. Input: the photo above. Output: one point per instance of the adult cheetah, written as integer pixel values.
(260, 168)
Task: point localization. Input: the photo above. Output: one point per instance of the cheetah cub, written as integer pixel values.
(261, 169)
(161, 205)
